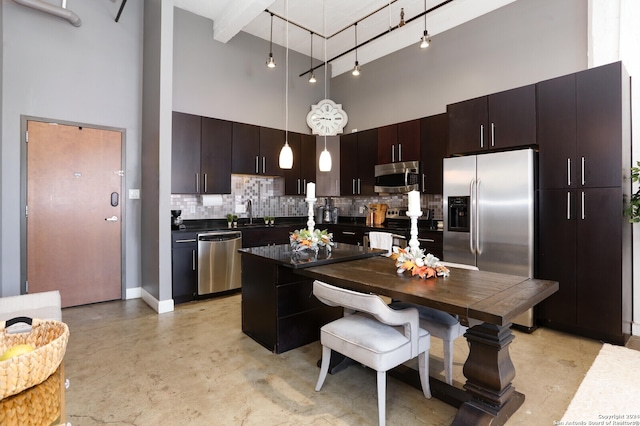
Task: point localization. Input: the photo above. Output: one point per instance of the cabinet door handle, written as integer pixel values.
(298, 186)
(353, 186)
(197, 182)
(568, 171)
(482, 136)
(399, 152)
(191, 240)
(204, 175)
(304, 187)
(358, 186)
(393, 153)
(426, 240)
(423, 189)
(193, 260)
(348, 233)
(568, 205)
(264, 160)
(582, 171)
(583, 206)
(257, 170)
(493, 134)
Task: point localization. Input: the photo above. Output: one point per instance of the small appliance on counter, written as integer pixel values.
(327, 213)
(176, 220)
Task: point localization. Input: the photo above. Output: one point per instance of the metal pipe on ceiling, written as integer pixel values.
(60, 12)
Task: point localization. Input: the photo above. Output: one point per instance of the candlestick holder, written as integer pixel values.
(414, 244)
(310, 223)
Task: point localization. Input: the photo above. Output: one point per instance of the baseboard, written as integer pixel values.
(160, 306)
(635, 329)
(133, 293)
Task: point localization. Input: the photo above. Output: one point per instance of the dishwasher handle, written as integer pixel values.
(219, 236)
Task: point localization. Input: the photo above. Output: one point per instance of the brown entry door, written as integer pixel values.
(74, 212)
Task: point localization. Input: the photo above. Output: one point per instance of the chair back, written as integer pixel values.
(460, 266)
(370, 304)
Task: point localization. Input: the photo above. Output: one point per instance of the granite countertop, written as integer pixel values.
(282, 254)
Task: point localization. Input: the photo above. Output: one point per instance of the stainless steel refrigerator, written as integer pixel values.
(488, 202)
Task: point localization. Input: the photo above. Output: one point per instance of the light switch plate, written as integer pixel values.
(134, 194)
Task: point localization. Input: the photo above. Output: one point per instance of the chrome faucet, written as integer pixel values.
(250, 211)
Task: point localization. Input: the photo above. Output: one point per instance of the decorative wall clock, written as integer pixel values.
(327, 118)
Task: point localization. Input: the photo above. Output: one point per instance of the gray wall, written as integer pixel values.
(90, 75)
(522, 43)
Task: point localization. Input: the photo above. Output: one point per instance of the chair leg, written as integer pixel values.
(382, 397)
(324, 367)
(448, 360)
(423, 367)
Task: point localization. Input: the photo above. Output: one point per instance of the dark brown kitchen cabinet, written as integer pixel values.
(215, 156)
(345, 233)
(201, 155)
(184, 266)
(498, 121)
(358, 155)
(185, 153)
(584, 241)
(271, 142)
(246, 149)
(433, 148)
(304, 164)
(265, 236)
(399, 142)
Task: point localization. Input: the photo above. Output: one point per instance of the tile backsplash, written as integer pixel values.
(268, 199)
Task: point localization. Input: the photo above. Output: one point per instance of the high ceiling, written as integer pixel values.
(334, 19)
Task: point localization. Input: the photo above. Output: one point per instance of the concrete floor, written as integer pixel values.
(130, 366)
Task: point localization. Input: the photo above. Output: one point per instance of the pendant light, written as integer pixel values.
(286, 154)
(312, 77)
(425, 40)
(324, 163)
(271, 63)
(356, 68)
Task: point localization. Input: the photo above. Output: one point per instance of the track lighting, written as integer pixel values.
(312, 77)
(271, 63)
(324, 162)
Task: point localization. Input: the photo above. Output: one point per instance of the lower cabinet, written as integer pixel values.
(431, 242)
(184, 266)
(279, 310)
(345, 233)
(265, 236)
(584, 243)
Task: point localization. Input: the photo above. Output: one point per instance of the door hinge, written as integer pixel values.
(26, 211)
(26, 286)
(119, 173)
(26, 136)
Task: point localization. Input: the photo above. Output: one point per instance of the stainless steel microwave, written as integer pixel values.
(397, 177)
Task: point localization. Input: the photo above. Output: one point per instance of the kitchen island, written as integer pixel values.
(485, 301)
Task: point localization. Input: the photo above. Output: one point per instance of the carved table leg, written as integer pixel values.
(489, 372)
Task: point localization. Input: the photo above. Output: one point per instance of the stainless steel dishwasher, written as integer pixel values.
(219, 261)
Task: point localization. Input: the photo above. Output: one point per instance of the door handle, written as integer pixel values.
(583, 206)
(482, 136)
(399, 152)
(111, 219)
(493, 134)
(568, 171)
(582, 171)
(472, 216)
(568, 205)
(478, 249)
(204, 175)
(393, 153)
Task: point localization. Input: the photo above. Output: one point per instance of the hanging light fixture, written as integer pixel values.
(285, 160)
(356, 68)
(425, 40)
(324, 163)
(271, 63)
(312, 77)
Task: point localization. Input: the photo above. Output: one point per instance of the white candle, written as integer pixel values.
(414, 201)
(311, 190)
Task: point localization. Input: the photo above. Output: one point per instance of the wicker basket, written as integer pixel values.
(49, 338)
(39, 405)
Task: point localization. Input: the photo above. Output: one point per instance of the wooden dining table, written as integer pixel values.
(487, 302)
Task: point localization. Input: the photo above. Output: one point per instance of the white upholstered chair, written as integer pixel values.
(44, 305)
(440, 324)
(370, 333)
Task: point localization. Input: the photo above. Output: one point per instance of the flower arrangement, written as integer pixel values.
(414, 260)
(303, 239)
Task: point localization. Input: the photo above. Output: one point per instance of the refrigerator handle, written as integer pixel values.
(471, 216)
(478, 250)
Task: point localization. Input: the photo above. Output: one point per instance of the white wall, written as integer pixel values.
(90, 75)
(521, 43)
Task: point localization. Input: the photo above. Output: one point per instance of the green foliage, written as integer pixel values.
(633, 208)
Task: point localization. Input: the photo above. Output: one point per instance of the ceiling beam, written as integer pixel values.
(236, 16)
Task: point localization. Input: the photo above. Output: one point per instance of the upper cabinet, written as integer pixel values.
(357, 162)
(433, 147)
(498, 121)
(399, 142)
(304, 164)
(579, 116)
(271, 142)
(256, 150)
(201, 155)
